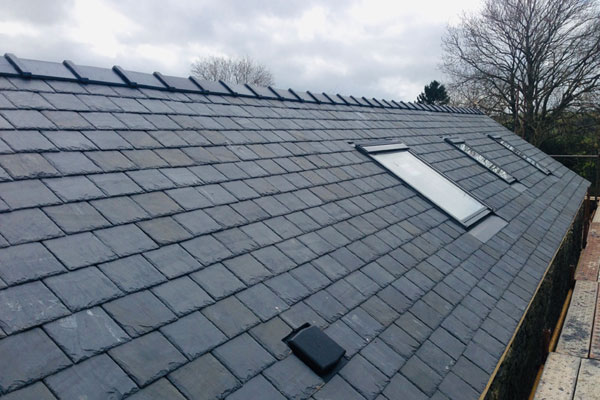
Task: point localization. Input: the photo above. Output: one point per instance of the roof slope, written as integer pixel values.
(162, 243)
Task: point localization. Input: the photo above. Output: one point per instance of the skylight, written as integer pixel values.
(431, 184)
(520, 154)
(471, 152)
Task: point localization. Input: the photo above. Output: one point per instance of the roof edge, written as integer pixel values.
(13, 66)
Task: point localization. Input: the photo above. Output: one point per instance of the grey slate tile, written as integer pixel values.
(346, 337)
(218, 281)
(132, 273)
(83, 288)
(455, 388)
(480, 357)
(66, 120)
(164, 230)
(337, 389)
(262, 301)
(145, 159)
(230, 316)
(367, 379)
(104, 121)
(106, 140)
(27, 119)
(204, 378)
(74, 188)
(28, 305)
(26, 141)
(139, 139)
(413, 325)
(37, 391)
(293, 378)
(151, 179)
(300, 313)
(110, 161)
(126, 239)
(197, 222)
(257, 387)
(86, 333)
(84, 381)
(180, 176)
(79, 250)
(72, 163)
(32, 356)
(27, 262)
(243, 356)
(447, 342)
(206, 249)
(161, 389)
(433, 356)
(247, 269)
(69, 140)
(27, 166)
(270, 334)
(402, 343)
(326, 306)
(250, 210)
(273, 259)
(421, 375)
(362, 323)
(139, 312)
(295, 250)
(470, 373)
(120, 210)
(193, 334)
(27, 100)
(64, 101)
(226, 216)
(157, 203)
(400, 386)
(380, 310)
(115, 184)
(147, 358)
(76, 217)
(182, 295)
(261, 233)
(189, 198)
(98, 103)
(288, 288)
(383, 357)
(172, 261)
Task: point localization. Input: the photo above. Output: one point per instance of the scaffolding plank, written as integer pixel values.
(577, 330)
(559, 378)
(589, 262)
(587, 381)
(595, 345)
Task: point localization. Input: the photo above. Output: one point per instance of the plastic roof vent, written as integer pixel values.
(317, 350)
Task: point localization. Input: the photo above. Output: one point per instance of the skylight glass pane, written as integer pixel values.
(485, 162)
(433, 185)
(521, 154)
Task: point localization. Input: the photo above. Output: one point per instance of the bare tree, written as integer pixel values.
(234, 70)
(527, 62)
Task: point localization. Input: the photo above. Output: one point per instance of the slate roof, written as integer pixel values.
(160, 243)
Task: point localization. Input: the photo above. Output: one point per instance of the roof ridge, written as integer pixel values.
(11, 65)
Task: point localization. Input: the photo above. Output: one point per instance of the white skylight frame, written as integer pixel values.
(482, 160)
(520, 154)
(428, 182)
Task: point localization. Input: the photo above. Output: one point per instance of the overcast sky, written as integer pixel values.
(374, 48)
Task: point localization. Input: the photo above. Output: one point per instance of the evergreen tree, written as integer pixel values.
(434, 93)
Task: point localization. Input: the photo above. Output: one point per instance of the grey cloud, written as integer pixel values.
(232, 27)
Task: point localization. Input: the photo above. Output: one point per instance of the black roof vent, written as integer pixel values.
(317, 350)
